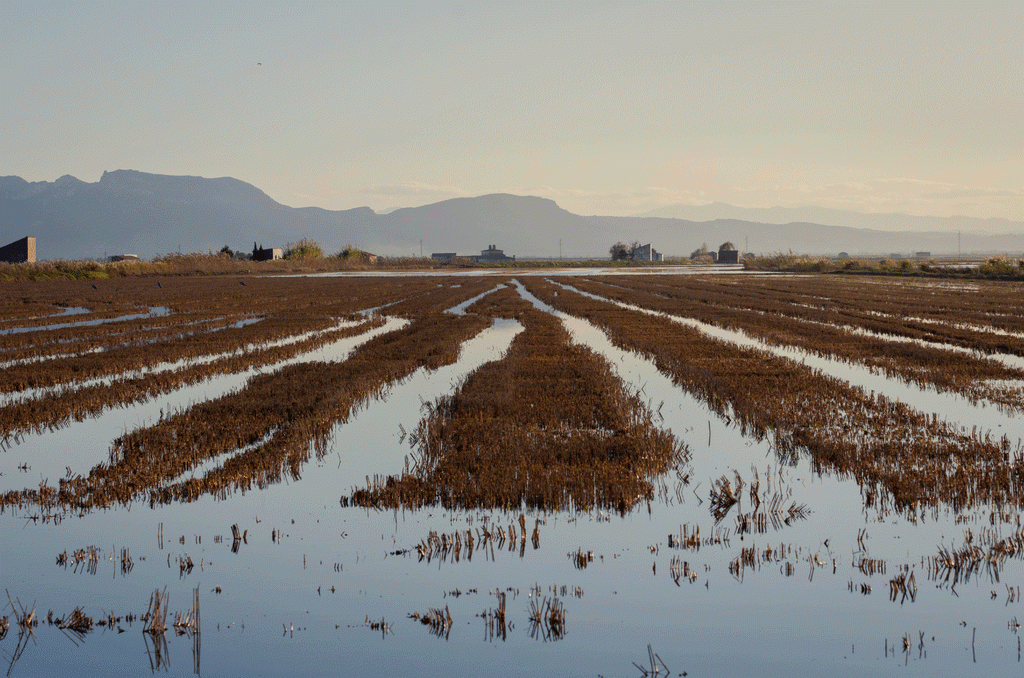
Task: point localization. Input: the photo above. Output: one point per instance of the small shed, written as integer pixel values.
(262, 253)
(728, 256)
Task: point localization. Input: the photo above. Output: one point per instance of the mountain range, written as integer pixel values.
(127, 211)
(836, 217)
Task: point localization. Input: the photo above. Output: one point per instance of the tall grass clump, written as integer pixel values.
(790, 262)
(1001, 267)
(304, 249)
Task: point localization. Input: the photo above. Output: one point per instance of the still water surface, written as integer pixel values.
(298, 595)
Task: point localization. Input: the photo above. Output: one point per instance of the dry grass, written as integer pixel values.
(549, 426)
(895, 452)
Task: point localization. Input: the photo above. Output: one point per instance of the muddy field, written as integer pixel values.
(588, 474)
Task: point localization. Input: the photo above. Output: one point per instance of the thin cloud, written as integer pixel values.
(974, 193)
(414, 188)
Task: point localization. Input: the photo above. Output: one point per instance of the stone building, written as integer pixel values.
(493, 254)
(19, 251)
(647, 253)
(488, 256)
(262, 253)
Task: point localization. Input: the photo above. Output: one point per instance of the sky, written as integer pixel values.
(613, 108)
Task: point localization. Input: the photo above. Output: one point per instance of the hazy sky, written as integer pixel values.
(605, 107)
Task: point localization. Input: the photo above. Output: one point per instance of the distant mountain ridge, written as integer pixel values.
(128, 211)
(835, 217)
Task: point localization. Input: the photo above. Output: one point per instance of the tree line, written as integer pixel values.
(620, 251)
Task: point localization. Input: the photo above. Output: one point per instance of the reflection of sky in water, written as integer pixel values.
(370, 442)
(505, 272)
(460, 309)
(82, 444)
(65, 311)
(157, 368)
(768, 623)
(949, 406)
(154, 312)
(1006, 359)
(134, 342)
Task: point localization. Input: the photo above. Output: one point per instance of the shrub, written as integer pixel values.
(349, 252)
(304, 249)
(997, 267)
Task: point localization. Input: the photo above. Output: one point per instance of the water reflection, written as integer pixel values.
(745, 593)
(951, 407)
(61, 452)
(153, 312)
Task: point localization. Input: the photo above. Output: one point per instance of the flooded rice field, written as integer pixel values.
(592, 474)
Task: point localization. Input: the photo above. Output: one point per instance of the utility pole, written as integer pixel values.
(559, 248)
(421, 248)
(958, 255)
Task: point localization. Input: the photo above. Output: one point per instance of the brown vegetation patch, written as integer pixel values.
(549, 426)
(823, 315)
(883, 444)
(275, 422)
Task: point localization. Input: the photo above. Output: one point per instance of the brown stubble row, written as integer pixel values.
(298, 408)
(198, 294)
(985, 303)
(40, 345)
(824, 332)
(54, 410)
(282, 416)
(549, 426)
(285, 307)
(931, 312)
(891, 450)
(140, 356)
(236, 349)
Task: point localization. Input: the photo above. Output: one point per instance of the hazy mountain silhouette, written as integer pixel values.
(522, 225)
(835, 217)
(147, 214)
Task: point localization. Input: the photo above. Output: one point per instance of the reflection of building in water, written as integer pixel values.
(19, 251)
